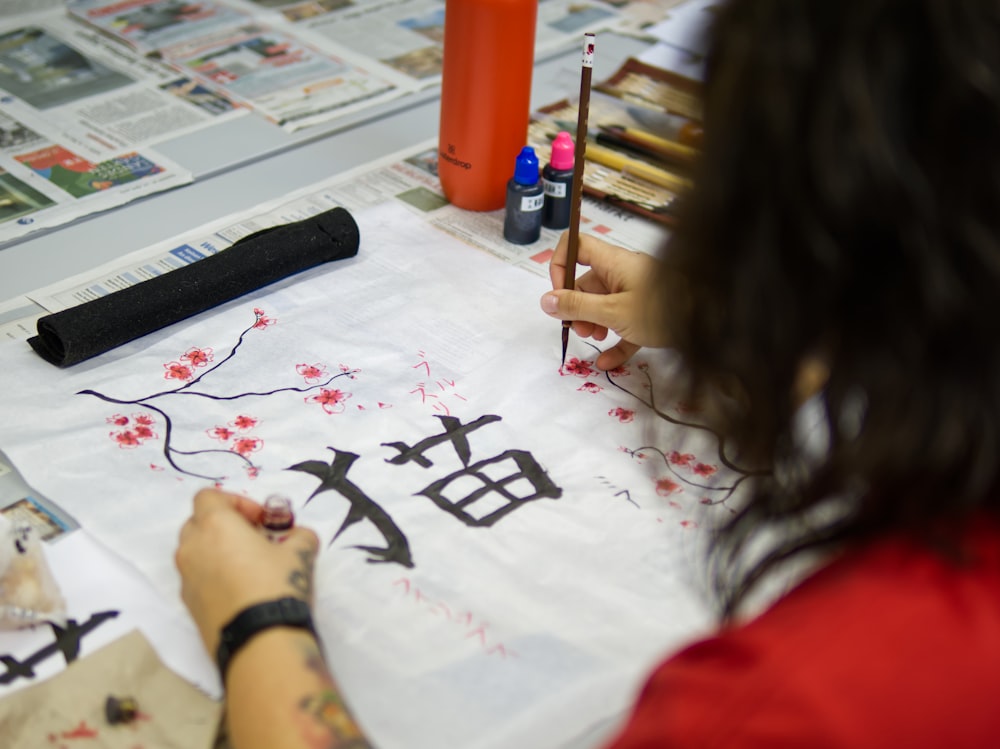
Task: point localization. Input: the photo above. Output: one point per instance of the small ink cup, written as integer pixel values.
(525, 198)
(278, 518)
(557, 181)
(120, 710)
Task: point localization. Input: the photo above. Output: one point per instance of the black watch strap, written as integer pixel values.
(283, 612)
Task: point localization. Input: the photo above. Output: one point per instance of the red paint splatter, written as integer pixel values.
(82, 731)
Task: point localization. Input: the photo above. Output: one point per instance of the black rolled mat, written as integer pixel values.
(79, 333)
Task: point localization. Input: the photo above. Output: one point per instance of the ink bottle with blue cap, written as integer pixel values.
(525, 200)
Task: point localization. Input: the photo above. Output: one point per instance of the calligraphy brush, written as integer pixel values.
(583, 111)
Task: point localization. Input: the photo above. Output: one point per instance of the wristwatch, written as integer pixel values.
(283, 612)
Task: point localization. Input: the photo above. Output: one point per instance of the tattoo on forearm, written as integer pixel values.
(330, 724)
(302, 578)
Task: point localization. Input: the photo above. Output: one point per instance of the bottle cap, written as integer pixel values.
(526, 167)
(562, 152)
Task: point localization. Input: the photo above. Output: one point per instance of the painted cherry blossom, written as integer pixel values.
(578, 367)
(263, 321)
(198, 357)
(118, 420)
(143, 419)
(590, 387)
(620, 371)
(223, 434)
(624, 415)
(177, 371)
(680, 459)
(331, 400)
(244, 423)
(704, 469)
(665, 487)
(311, 373)
(246, 445)
(126, 439)
(144, 432)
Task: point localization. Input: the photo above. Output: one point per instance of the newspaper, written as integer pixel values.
(408, 177)
(76, 121)
(291, 78)
(407, 35)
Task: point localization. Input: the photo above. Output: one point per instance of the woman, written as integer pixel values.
(842, 241)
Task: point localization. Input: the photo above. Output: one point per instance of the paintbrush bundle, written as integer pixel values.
(79, 333)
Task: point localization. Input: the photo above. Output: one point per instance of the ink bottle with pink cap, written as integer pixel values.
(557, 181)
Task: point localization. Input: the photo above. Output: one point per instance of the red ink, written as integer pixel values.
(243, 422)
(665, 487)
(247, 445)
(624, 415)
(311, 373)
(223, 434)
(704, 469)
(590, 387)
(198, 357)
(82, 731)
(177, 371)
(126, 439)
(278, 518)
(263, 320)
(332, 401)
(577, 367)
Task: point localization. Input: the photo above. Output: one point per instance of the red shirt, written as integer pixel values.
(892, 646)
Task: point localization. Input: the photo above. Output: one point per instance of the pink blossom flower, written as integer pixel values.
(126, 439)
(144, 419)
(331, 400)
(198, 357)
(246, 445)
(263, 320)
(118, 420)
(177, 371)
(680, 459)
(589, 387)
(223, 434)
(619, 371)
(704, 469)
(578, 367)
(244, 422)
(624, 415)
(311, 372)
(665, 487)
(143, 432)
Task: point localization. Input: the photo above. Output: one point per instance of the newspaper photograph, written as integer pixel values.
(57, 163)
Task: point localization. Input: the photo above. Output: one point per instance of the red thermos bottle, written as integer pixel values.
(489, 54)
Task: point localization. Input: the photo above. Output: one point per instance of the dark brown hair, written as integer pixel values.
(847, 208)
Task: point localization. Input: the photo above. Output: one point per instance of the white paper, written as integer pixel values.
(527, 631)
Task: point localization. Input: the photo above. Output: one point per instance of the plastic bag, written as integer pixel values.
(29, 593)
